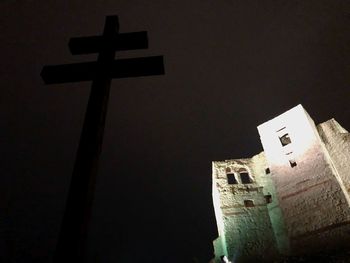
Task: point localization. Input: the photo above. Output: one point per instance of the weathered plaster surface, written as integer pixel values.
(308, 191)
(337, 142)
(245, 232)
(307, 184)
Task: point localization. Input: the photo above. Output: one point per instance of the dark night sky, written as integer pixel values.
(230, 66)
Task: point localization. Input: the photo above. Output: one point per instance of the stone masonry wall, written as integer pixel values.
(337, 142)
(246, 226)
(310, 197)
(260, 167)
(297, 197)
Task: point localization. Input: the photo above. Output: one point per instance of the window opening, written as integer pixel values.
(245, 178)
(292, 163)
(281, 129)
(285, 139)
(231, 179)
(268, 198)
(267, 171)
(248, 203)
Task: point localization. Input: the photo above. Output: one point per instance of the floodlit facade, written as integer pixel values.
(291, 199)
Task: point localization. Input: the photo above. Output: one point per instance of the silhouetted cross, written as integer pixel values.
(73, 235)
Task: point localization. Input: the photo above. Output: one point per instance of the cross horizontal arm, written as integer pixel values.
(121, 68)
(94, 44)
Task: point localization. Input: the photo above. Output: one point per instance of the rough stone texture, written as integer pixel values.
(300, 205)
(308, 191)
(337, 142)
(245, 230)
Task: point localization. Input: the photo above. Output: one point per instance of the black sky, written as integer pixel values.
(230, 66)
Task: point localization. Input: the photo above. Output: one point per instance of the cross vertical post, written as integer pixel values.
(73, 236)
(72, 240)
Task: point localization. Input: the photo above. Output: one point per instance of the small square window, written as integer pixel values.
(285, 139)
(245, 178)
(292, 163)
(268, 199)
(231, 179)
(267, 171)
(248, 203)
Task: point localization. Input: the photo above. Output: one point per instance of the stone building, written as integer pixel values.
(291, 199)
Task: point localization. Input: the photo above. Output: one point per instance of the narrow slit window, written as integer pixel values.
(248, 203)
(292, 163)
(285, 139)
(231, 179)
(245, 178)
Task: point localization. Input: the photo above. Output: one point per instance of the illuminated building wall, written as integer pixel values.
(310, 194)
(337, 143)
(296, 198)
(243, 195)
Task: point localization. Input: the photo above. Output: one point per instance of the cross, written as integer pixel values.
(72, 239)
